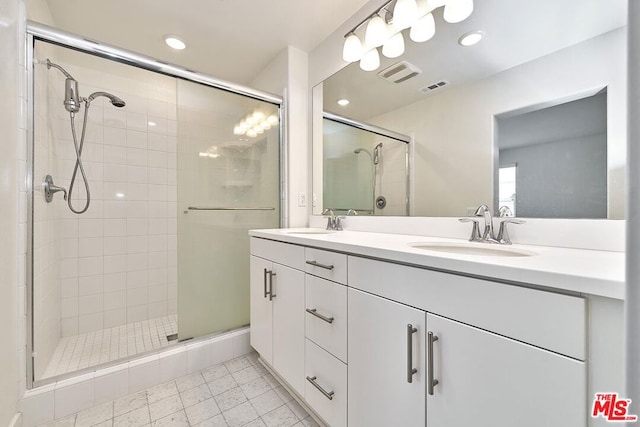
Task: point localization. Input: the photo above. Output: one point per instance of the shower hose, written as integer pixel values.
(78, 148)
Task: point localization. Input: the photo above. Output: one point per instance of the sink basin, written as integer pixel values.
(309, 232)
(480, 249)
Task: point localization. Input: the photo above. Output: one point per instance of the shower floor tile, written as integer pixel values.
(107, 345)
(187, 402)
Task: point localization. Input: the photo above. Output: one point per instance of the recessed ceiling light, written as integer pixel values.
(343, 102)
(470, 38)
(174, 42)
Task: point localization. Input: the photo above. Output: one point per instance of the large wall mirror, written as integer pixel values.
(532, 117)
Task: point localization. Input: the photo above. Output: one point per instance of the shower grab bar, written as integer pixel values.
(202, 208)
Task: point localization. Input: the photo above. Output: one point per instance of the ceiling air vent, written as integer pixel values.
(400, 72)
(434, 86)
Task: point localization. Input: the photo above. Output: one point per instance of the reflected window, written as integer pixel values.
(507, 187)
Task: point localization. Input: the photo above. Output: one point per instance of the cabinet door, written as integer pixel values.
(261, 309)
(288, 325)
(486, 380)
(379, 342)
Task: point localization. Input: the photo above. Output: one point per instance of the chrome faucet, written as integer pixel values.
(333, 221)
(488, 236)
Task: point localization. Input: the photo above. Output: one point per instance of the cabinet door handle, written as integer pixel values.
(314, 312)
(327, 394)
(316, 264)
(431, 382)
(271, 294)
(410, 369)
(264, 280)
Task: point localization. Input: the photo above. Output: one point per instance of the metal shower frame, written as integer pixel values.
(40, 32)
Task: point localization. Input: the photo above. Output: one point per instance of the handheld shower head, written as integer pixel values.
(115, 101)
(376, 154)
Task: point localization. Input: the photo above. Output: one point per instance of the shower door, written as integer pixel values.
(228, 183)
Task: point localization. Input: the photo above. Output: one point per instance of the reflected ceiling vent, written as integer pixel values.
(434, 86)
(400, 72)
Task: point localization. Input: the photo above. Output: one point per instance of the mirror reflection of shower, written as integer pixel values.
(72, 103)
(375, 160)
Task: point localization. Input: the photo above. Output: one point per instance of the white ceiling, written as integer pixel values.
(517, 31)
(228, 39)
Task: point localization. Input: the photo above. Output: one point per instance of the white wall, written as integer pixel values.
(12, 167)
(454, 130)
(287, 75)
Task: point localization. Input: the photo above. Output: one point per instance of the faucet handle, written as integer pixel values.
(475, 232)
(503, 234)
(337, 223)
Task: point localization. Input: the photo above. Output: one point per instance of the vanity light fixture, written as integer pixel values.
(384, 28)
(343, 102)
(470, 38)
(174, 42)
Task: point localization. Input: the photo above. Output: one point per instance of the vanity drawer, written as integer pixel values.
(329, 265)
(545, 319)
(282, 253)
(326, 315)
(328, 397)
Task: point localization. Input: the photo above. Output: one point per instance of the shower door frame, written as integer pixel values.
(40, 32)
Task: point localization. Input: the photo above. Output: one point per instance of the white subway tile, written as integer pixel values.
(68, 268)
(158, 293)
(115, 282)
(144, 373)
(136, 157)
(115, 245)
(136, 279)
(115, 264)
(91, 227)
(198, 357)
(69, 307)
(90, 304)
(90, 266)
(157, 243)
(115, 155)
(114, 173)
(157, 108)
(137, 209)
(158, 276)
(113, 318)
(136, 314)
(157, 209)
(157, 159)
(137, 139)
(137, 191)
(69, 248)
(157, 142)
(115, 227)
(69, 327)
(114, 209)
(91, 246)
(116, 191)
(74, 398)
(158, 309)
(157, 192)
(69, 287)
(115, 300)
(38, 406)
(136, 297)
(157, 259)
(114, 136)
(90, 322)
(137, 244)
(91, 285)
(137, 227)
(173, 364)
(137, 262)
(157, 226)
(115, 118)
(111, 386)
(158, 176)
(137, 174)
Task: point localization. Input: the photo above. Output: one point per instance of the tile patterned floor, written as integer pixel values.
(94, 348)
(240, 392)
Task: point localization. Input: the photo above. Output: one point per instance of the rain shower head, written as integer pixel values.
(115, 101)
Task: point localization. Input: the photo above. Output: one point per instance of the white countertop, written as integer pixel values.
(589, 272)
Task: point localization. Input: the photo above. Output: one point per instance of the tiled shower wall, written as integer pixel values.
(118, 260)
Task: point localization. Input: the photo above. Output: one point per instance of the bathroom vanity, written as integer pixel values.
(374, 329)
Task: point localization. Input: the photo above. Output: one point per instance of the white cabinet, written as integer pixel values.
(326, 387)
(486, 380)
(277, 310)
(386, 343)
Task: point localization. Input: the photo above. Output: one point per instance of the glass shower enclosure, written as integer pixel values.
(175, 176)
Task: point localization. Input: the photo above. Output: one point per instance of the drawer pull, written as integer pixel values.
(431, 382)
(327, 394)
(314, 312)
(316, 264)
(410, 369)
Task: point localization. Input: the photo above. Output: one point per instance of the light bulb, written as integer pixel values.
(370, 60)
(273, 120)
(259, 130)
(393, 47)
(352, 49)
(376, 33)
(405, 13)
(252, 133)
(423, 29)
(457, 10)
(258, 116)
(237, 130)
